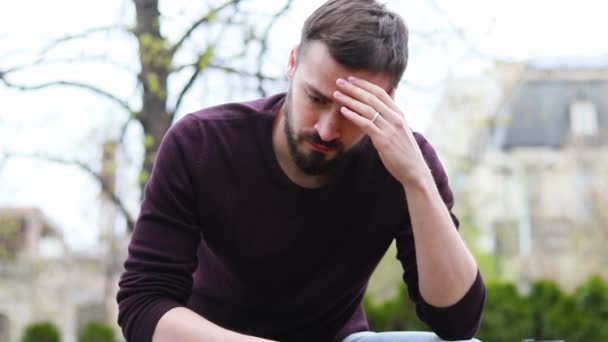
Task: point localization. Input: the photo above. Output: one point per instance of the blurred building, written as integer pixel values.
(527, 149)
(41, 280)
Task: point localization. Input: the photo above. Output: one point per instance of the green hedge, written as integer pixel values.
(545, 313)
(97, 332)
(41, 332)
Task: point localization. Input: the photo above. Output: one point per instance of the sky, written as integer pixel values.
(72, 123)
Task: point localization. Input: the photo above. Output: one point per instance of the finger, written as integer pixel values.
(371, 103)
(366, 125)
(378, 92)
(362, 109)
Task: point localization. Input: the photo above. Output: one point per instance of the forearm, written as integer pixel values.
(184, 325)
(446, 267)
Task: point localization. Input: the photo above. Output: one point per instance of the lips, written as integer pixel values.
(320, 148)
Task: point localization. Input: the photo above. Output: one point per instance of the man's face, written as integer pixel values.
(319, 137)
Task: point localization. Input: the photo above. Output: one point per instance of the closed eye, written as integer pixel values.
(316, 96)
(316, 99)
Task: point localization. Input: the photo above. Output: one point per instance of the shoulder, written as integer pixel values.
(198, 126)
(235, 111)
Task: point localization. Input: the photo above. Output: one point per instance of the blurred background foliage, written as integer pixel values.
(545, 313)
(41, 332)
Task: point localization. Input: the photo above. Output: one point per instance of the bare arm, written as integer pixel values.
(441, 255)
(184, 325)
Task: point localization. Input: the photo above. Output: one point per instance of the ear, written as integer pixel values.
(293, 62)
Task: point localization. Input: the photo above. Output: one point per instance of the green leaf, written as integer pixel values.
(212, 15)
(144, 176)
(146, 40)
(112, 167)
(148, 140)
(206, 58)
(153, 82)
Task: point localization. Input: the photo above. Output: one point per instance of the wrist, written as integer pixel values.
(421, 179)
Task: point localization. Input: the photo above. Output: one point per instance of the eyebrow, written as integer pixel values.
(316, 92)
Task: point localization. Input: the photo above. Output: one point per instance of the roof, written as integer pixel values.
(538, 111)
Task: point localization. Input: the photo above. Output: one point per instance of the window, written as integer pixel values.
(583, 118)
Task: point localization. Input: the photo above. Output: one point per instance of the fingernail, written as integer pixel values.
(338, 94)
(341, 82)
(353, 79)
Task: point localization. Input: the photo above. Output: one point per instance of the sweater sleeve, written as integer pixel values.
(460, 320)
(163, 249)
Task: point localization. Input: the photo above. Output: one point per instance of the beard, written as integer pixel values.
(314, 162)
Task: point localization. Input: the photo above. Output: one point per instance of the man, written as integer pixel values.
(263, 221)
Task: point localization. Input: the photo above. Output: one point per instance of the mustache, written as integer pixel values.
(316, 139)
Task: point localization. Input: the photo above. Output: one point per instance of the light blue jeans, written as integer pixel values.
(396, 336)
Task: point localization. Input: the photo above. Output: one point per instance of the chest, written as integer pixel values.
(274, 230)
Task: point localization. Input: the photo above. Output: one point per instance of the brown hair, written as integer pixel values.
(361, 35)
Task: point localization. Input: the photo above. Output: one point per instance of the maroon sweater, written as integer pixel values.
(223, 231)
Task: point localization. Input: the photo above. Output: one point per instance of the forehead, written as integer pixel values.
(318, 68)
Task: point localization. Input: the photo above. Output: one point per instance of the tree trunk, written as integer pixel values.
(155, 59)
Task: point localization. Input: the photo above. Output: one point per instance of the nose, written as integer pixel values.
(328, 125)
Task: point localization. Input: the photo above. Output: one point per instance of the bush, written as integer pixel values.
(397, 314)
(507, 315)
(41, 332)
(97, 332)
(546, 313)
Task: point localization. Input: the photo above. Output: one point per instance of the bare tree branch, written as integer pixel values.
(86, 168)
(84, 86)
(80, 35)
(232, 70)
(121, 138)
(193, 77)
(210, 16)
(202, 62)
(79, 59)
(125, 126)
(208, 64)
(264, 44)
(224, 68)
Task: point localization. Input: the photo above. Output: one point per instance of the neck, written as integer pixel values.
(289, 167)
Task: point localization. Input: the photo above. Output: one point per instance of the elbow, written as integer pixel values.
(130, 309)
(460, 321)
(140, 308)
(455, 330)
(464, 334)
(139, 316)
